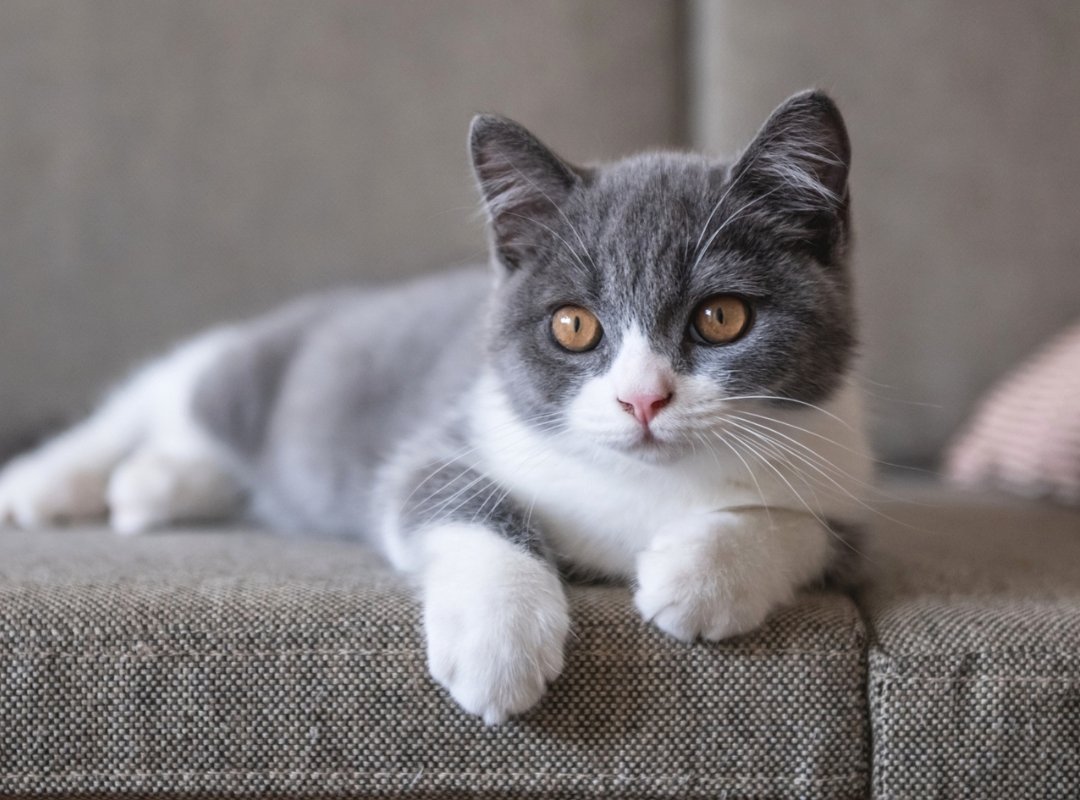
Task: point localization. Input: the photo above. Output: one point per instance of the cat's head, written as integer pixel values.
(636, 298)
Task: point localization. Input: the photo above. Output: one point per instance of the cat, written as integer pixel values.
(650, 381)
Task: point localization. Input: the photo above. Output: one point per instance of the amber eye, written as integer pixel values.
(576, 328)
(721, 319)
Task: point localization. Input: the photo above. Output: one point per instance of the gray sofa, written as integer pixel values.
(231, 662)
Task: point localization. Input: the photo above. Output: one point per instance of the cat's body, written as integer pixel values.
(582, 406)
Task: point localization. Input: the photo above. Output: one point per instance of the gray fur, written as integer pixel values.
(325, 401)
(237, 395)
(353, 375)
(456, 492)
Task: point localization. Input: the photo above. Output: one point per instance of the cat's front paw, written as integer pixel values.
(710, 577)
(495, 619)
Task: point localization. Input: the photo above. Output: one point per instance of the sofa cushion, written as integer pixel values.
(1025, 436)
(239, 663)
(975, 650)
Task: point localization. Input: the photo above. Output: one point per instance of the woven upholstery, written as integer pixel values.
(975, 655)
(237, 663)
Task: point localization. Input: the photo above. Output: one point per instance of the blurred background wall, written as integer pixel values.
(166, 165)
(965, 124)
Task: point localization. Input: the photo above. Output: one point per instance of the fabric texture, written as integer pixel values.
(974, 610)
(1025, 437)
(233, 663)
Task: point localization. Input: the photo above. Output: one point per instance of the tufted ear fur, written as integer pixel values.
(797, 169)
(523, 185)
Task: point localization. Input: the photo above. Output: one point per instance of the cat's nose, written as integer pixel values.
(645, 407)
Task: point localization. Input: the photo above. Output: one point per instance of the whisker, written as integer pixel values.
(783, 453)
(760, 429)
(780, 475)
(463, 452)
(727, 222)
(573, 252)
(554, 205)
(491, 492)
(742, 414)
(823, 522)
(749, 472)
(854, 497)
(723, 197)
(790, 400)
(550, 427)
(900, 400)
(822, 460)
(774, 452)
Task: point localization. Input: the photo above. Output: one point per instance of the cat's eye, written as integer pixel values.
(721, 319)
(576, 328)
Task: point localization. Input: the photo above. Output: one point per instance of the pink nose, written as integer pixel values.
(645, 407)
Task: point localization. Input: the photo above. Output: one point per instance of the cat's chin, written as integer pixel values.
(646, 448)
(656, 452)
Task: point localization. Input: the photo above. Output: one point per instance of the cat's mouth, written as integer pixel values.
(648, 444)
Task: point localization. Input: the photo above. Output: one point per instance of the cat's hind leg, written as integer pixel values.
(138, 447)
(64, 480)
(159, 484)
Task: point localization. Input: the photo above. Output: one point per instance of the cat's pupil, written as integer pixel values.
(719, 313)
(577, 324)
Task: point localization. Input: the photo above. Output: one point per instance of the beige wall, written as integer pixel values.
(167, 164)
(965, 125)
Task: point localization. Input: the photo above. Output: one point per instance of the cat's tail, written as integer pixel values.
(141, 457)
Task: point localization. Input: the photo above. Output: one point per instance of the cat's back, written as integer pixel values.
(315, 394)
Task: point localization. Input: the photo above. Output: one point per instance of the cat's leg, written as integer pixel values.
(495, 612)
(144, 429)
(167, 482)
(178, 472)
(720, 574)
(64, 480)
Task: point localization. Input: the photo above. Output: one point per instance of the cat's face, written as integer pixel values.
(636, 299)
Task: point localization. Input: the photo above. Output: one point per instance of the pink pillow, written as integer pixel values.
(1025, 436)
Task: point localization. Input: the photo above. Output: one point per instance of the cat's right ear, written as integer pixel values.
(523, 184)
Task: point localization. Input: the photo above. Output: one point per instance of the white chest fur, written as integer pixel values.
(599, 508)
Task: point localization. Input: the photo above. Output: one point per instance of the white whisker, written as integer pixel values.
(749, 471)
(780, 475)
(790, 400)
(723, 197)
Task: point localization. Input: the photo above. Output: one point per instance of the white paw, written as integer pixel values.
(711, 577)
(496, 621)
(151, 489)
(42, 488)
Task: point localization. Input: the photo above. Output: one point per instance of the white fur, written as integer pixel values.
(600, 507)
(154, 487)
(495, 619)
(719, 574)
(718, 525)
(141, 457)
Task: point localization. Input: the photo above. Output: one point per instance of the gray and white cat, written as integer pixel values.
(649, 383)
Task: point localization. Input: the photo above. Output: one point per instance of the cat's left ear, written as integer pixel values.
(796, 170)
(523, 184)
